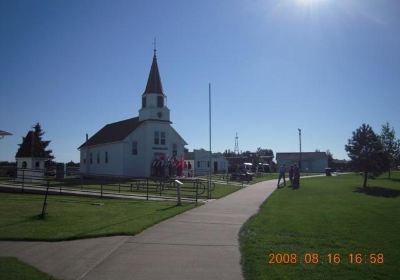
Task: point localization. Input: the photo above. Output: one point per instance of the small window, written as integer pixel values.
(208, 163)
(106, 157)
(160, 101)
(84, 161)
(134, 148)
(98, 158)
(91, 158)
(144, 102)
(156, 137)
(37, 164)
(24, 164)
(174, 149)
(198, 164)
(162, 138)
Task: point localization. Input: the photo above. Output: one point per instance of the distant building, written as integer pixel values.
(136, 147)
(310, 161)
(199, 161)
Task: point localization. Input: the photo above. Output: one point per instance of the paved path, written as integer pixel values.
(199, 244)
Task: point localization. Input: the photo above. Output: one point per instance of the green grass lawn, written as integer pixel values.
(223, 190)
(13, 269)
(326, 215)
(76, 217)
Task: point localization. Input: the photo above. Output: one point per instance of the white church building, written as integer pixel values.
(136, 147)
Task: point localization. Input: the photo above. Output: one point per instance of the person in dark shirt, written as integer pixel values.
(282, 172)
(291, 171)
(296, 177)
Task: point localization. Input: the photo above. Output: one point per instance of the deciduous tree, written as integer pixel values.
(366, 152)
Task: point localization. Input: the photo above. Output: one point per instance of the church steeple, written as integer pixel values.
(154, 81)
(154, 101)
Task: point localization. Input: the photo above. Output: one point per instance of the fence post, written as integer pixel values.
(197, 191)
(131, 187)
(178, 190)
(23, 179)
(45, 202)
(147, 189)
(119, 187)
(101, 189)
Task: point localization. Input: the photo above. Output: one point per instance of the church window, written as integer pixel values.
(24, 164)
(91, 158)
(156, 137)
(144, 102)
(174, 149)
(106, 157)
(37, 164)
(160, 101)
(134, 148)
(98, 157)
(162, 138)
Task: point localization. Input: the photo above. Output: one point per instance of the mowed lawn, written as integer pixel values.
(327, 215)
(13, 269)
(76, 217)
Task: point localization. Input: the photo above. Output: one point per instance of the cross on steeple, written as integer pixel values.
(155, 46)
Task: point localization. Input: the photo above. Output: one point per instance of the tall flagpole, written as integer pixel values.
(209, 124)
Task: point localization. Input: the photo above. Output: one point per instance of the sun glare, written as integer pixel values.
(309, 2)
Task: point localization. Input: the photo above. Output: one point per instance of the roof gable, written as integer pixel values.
(31, 147)
(113, 132)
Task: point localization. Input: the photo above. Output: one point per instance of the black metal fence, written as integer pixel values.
(35, 180)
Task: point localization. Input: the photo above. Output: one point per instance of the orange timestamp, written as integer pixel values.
(330, 258)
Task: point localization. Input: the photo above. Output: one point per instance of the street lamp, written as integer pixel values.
(300, 148)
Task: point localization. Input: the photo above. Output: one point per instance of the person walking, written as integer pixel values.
(282, 172)
(296, 177)
(291, 171)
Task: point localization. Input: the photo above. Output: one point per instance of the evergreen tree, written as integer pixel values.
(366, 152)
(39, 133)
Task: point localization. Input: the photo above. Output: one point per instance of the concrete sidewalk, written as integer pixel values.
(199, 244)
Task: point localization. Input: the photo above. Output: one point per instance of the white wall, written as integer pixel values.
(201, 159)
(140, 165)
(32, 172)
(114, 166)
(121, 161)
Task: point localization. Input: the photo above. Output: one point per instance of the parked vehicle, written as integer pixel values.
(242, 176)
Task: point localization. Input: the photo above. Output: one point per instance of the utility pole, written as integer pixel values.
(209, 122)
(300, 148)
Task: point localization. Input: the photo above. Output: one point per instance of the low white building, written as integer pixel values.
(200, 162)
(309, 161)
(31, 158)
(135, 147)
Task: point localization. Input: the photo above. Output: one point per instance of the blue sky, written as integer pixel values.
(324, 66)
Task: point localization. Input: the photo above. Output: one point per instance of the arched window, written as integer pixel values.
(37, 164)
(143, 102)
(24, 164)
